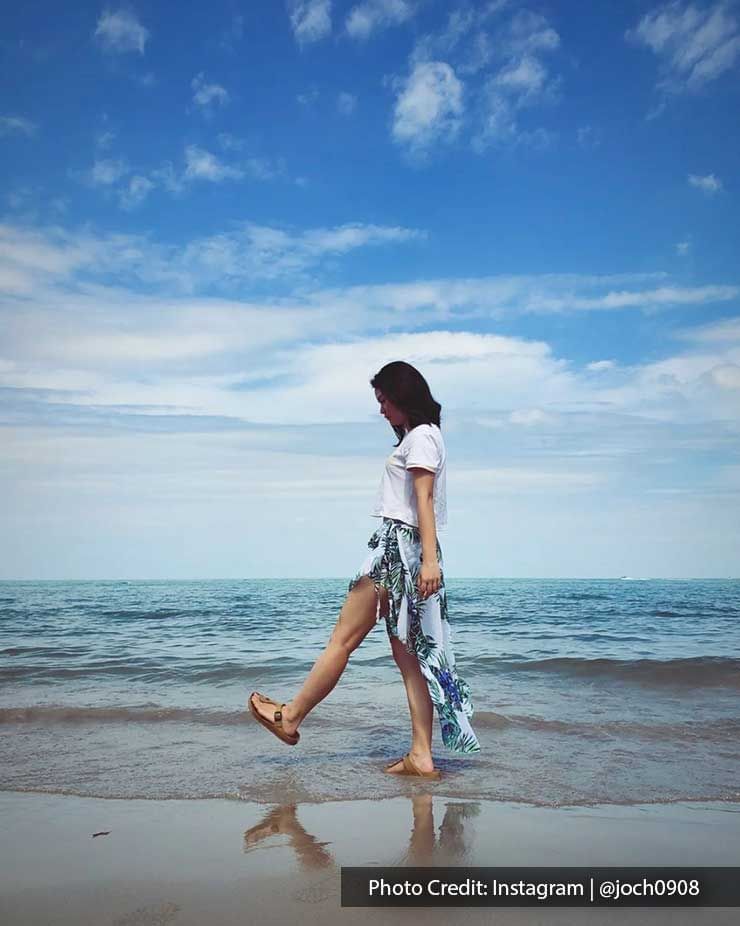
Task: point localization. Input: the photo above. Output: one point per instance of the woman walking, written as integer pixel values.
(401, 580)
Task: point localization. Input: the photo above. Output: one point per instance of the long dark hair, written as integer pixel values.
(408, 390)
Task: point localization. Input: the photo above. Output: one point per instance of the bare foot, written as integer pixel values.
(267, 710)
(423, 762)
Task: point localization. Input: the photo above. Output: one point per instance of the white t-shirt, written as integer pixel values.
(422, 446)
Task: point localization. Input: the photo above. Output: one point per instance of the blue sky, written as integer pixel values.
(218, 222)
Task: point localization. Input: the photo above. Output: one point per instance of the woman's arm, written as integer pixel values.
(429, 574)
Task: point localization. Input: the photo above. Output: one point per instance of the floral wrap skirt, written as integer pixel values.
(421, 624)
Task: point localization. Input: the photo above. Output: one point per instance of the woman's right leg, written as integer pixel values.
(420, 707)
(356, 620)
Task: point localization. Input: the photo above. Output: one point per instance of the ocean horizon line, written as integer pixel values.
(342, 578)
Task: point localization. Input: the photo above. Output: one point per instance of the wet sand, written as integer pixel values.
(232, 862)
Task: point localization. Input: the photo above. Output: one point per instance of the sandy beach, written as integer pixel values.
(125, 703)
(234, 862)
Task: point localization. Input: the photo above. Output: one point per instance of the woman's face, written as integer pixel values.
(390, 411)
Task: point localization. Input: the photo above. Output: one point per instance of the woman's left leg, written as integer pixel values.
(420, 708)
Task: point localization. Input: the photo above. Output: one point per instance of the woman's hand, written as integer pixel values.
(429, 579)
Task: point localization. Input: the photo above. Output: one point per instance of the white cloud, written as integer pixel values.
(526, 76)
(464, 24)
(441, 44)
(199, 164)
(694, 45)
(726, 376)
(249, 253)
(83, 309)
(17, 125)
(508, 296)
(107, 171)
(262, 169)
(708, 184)
(689, 374)
(120, 31)
(105, 139)
(480, 53)
(21, 197)
(589, 137)
(29, 256)
(531, 417)
(167, 176)
(346, 103)
(725, 331)
(347, 237)
(207, 95)
(509, 55)
(257, 168)
(429, 106)
(525, 478)
(523, 80)
(230, 142)
(310, 19)
(373, 15)
(97, 370)
(144, 80)
(645, 299)
(253, 251)
(263, 252)
(308, 98)
(202, 165)
(278, 364)
(233, 33)
(136, 192)
(695, 386)
(655, 111)
(682, 248)
(529, 33)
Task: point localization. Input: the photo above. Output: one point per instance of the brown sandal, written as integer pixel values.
(410, 768)
(276, 725)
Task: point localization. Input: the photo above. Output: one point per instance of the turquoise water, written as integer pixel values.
(585, 691)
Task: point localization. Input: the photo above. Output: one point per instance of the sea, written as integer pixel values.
(586, 691)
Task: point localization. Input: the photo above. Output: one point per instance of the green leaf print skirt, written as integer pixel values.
(421, 624)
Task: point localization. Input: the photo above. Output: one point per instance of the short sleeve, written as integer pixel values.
(423, 450)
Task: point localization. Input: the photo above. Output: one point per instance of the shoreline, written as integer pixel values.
(411, 787)
(185, 861)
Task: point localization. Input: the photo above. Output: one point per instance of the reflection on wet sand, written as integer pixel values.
(283, 820)
(424, 846)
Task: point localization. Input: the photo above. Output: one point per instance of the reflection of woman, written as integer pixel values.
(283, 819)
(401, 580)
(423, 847)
